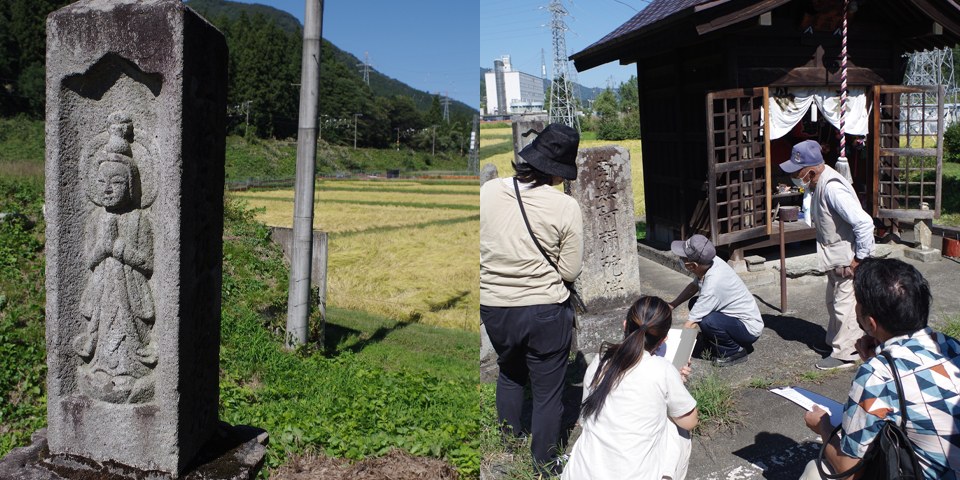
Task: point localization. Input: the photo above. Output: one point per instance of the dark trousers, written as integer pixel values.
(531, 342)
(726, 332)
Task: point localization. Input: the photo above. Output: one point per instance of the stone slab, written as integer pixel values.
(610, 279)
(488, 172)
(755, 263)
(283, 236)
(925, 255)
(135, 143)
(523, 125)
(234, 453)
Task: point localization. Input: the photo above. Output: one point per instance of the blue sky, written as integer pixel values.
(430, 45)
(513, 27)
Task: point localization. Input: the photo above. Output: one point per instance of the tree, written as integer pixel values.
(629, 95)
(435, 114)
(606, 105)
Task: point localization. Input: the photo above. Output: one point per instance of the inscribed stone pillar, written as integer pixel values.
(609, 283)
(135, 142)
(523, 125)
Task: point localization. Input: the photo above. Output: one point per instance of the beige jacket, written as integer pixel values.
(512, 271)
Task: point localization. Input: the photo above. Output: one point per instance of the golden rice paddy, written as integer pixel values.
(419, 264)
(407, 250)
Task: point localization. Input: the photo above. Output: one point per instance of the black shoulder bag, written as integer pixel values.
(891, 455)
(574, 297)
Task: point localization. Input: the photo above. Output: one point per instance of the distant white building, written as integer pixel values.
(518, 92)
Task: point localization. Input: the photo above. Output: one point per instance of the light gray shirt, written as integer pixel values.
(721, 290)
(846, 204)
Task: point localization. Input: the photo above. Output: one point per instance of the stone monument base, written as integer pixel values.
(235, 453)
(922, 255)
(594, 329)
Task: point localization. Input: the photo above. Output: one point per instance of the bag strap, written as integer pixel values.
(574, 297)
(896, 381)
(516, 188)
(903, 423)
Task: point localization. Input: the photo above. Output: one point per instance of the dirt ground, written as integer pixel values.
(396, 465)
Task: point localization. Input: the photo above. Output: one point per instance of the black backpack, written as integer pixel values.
(891, 455)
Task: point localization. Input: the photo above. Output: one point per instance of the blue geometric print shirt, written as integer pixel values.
(929, 366)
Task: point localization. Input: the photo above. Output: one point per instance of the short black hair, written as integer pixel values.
(527, 173)
(893, 293)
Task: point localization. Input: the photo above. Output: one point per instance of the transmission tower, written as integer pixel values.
(931, 67)
(562, 106)
(366, 68)
(445, 101)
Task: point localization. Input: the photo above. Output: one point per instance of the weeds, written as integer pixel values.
(950, 325)
(716, 402)
(761, 383)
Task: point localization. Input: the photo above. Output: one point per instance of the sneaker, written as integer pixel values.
(830, 363)
(822, 347)
(739, 357)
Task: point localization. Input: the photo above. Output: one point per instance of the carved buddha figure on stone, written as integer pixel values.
(117, 344)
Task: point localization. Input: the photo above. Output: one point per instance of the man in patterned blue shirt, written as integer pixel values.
(893, 301)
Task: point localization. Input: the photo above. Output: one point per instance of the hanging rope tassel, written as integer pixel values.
(843, 168)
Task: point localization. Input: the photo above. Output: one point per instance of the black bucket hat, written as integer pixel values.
(554, 151)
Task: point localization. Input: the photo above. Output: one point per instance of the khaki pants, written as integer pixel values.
(842, 330)
(811, 472)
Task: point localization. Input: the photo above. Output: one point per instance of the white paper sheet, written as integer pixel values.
(808, 399)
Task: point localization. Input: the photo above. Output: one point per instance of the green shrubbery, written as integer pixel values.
(23, 368)
(951, 143)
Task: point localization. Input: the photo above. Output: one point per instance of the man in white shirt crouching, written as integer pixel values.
(726, 311)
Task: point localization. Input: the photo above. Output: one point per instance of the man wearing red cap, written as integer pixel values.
(844, 239)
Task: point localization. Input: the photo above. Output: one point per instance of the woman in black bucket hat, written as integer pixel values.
(524, 301)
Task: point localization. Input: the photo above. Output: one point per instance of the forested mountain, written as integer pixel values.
(213, 8)
(382, 85)
(263, 81)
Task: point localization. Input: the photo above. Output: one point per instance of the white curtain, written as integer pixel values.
(787, 108)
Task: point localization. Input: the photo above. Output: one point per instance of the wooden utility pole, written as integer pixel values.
(299, 300)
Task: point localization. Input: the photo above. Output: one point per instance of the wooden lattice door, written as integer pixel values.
(739, 165)
(908, 151)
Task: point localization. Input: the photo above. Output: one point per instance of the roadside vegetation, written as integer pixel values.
(378, 383)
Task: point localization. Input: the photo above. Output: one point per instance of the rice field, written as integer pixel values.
(407, 250)
(503, 160)
(402, 250)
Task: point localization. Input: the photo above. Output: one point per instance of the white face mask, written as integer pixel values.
(800, 183)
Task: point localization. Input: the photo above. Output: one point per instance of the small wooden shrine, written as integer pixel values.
(728, 86)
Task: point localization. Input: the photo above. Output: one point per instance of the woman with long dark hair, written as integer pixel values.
(636, 411)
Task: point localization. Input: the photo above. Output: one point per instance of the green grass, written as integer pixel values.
(255, 158)
(716, 402)
(761, 382)
(950, 325)
(495, 149)
(21, 140)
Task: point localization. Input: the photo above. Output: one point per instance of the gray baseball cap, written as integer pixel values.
(697, 248)
(804, 154)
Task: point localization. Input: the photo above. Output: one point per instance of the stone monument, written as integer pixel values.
(488, 356)
(609, 282)
(488, 172)
(523, 126)
(136, 119)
